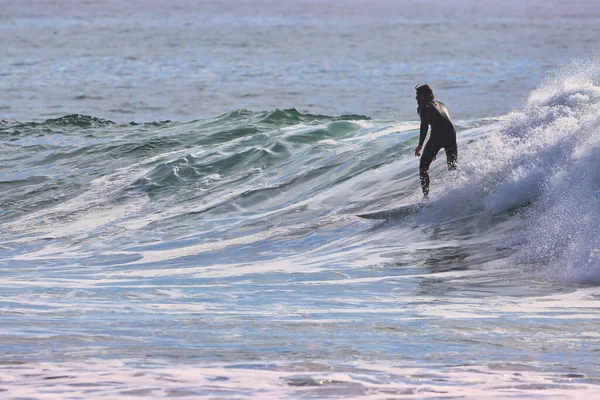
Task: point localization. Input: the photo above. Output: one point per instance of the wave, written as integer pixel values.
(289, 174)
(85, 163)
(561, 126)
(72, 121)
(543, 162)
(277, 117)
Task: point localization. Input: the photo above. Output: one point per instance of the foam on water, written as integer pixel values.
(227, 251)
(125, 379)
(379, 378)
(541, 163)
(565, 118)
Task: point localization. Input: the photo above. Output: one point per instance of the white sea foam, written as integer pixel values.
(206, 273)
(546, 155)
(134, 379)
(562, 121)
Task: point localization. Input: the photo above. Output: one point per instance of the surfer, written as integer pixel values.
(443, 134)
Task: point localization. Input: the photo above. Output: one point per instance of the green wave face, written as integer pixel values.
(46, 163)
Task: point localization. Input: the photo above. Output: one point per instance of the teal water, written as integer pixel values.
(179, 187)
(228, 250)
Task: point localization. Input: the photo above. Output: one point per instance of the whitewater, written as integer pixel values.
(180, 184)
(222, 257)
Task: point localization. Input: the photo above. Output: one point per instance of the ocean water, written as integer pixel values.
(180, 183)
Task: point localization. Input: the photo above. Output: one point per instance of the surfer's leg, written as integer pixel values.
(426, 158)
(451, 156)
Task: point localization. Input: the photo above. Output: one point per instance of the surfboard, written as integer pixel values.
(396, 213)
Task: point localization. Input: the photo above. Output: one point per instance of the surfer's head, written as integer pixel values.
(424, 93)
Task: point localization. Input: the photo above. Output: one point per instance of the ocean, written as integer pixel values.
(180, 183)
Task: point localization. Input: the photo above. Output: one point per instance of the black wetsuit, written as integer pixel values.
(442, 135)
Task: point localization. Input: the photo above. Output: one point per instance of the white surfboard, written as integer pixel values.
(396, 213)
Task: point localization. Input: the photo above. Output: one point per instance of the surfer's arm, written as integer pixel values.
(424, 128)
(422, 132)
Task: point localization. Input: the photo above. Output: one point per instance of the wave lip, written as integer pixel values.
(558, 135)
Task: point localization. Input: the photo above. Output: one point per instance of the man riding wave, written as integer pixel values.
(443, 135)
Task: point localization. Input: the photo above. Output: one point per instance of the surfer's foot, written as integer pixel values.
(425, 198)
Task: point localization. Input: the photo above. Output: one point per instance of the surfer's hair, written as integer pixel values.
(425, 90)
